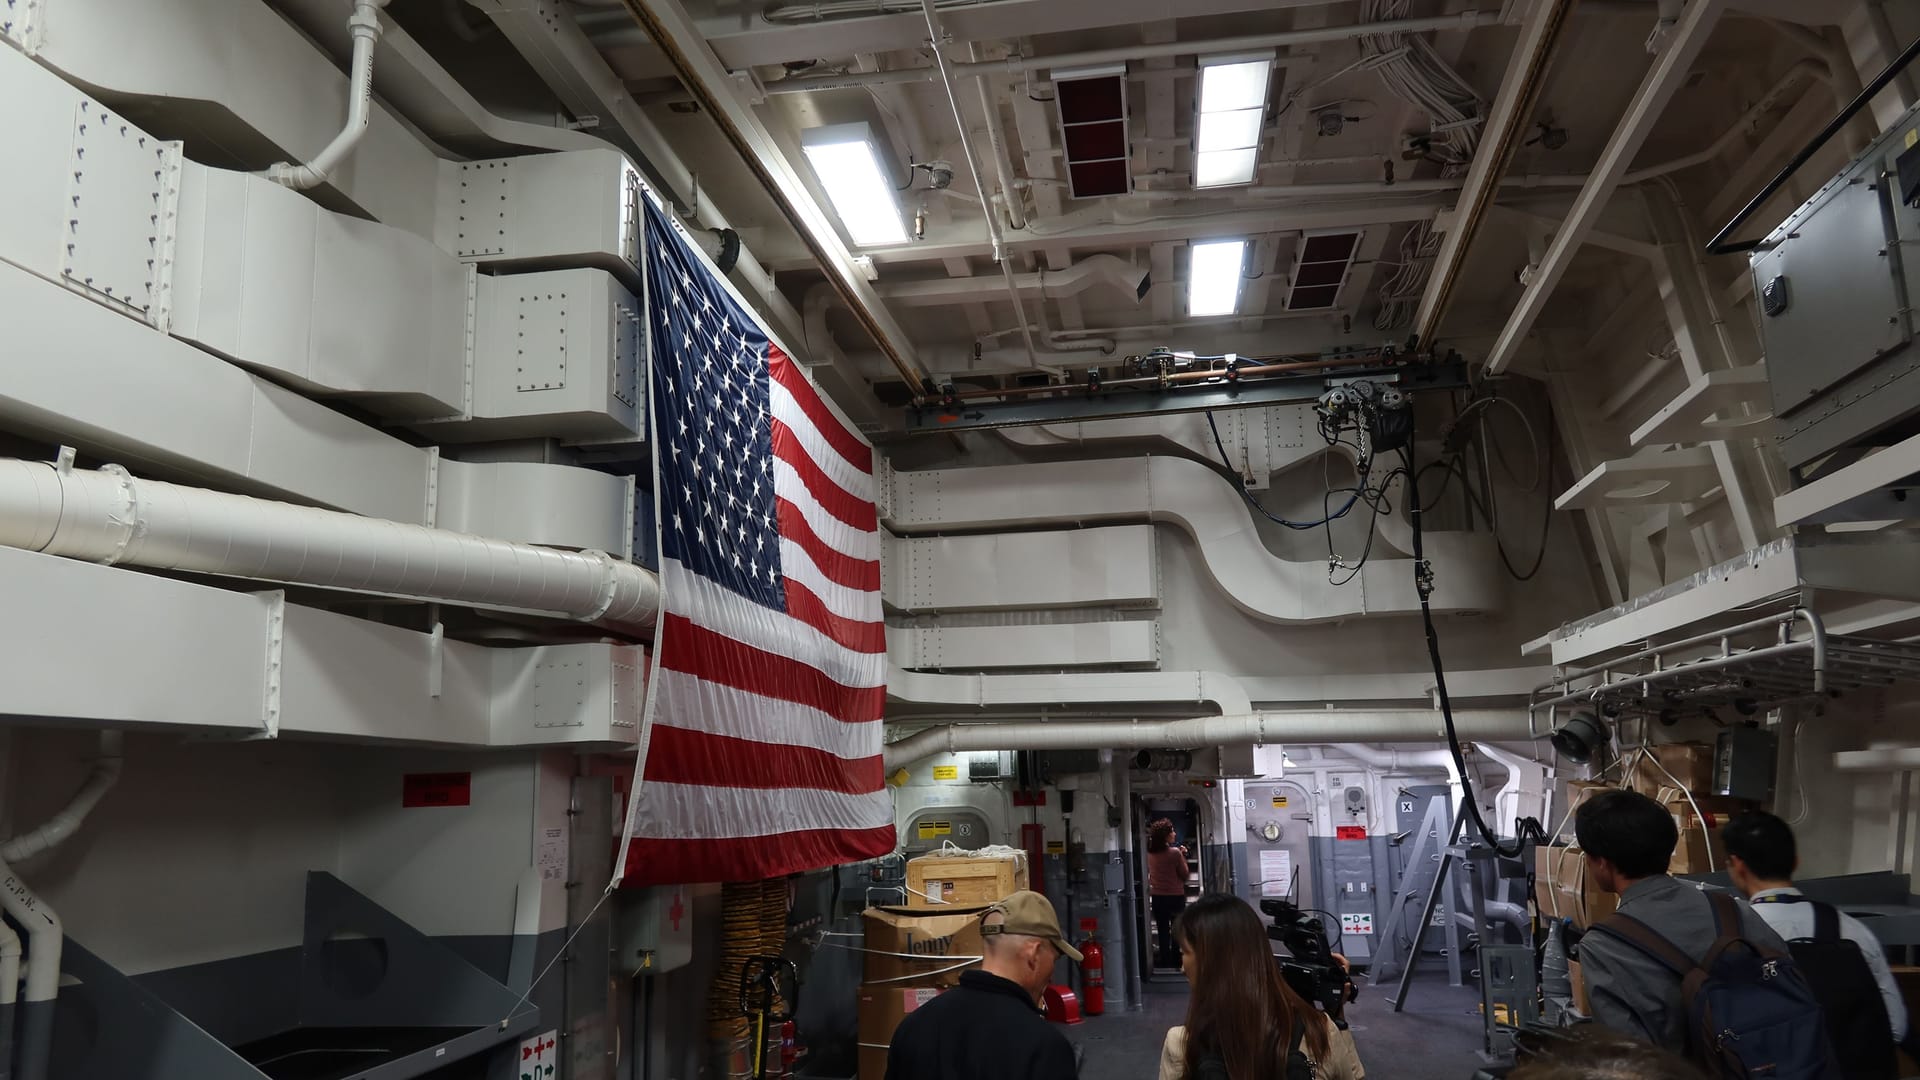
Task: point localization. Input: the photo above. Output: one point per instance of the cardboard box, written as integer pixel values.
(1579, 791)
(1687, 765)
(937, 881)
(909, 947)
(881, 1009)
(1582, 1004)
(1690, 854)
(1562, 890)
(1718, 809)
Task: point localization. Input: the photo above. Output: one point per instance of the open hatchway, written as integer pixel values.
(1194, 838)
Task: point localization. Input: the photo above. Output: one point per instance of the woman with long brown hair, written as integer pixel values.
(1243, 1021)
(1167, 873)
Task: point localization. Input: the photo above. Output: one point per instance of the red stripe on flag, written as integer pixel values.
(844, 442)
(864, 637)
(837, 565)
(704, 654)
(834, 499)
(750, 858)
(679, 756)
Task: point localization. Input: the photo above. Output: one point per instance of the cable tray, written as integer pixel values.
(1743, 670)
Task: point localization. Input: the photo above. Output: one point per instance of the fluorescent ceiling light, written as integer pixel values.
(848, 167)
(1232, 104)
(1213, 279)
(1219, 168)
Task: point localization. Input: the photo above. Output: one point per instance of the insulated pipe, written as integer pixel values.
(110, 517)
(1269, 728)
(364, 24)
(997, 142)
(106, 773)
(1053, 284)
(44, 938)
(1132, 926)
(9, 995)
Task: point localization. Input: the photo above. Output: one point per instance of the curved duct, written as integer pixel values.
(1193, 496)
(1052, 284)
(1307, 726)
(108, 516)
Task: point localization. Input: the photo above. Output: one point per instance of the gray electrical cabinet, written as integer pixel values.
(1837, 284)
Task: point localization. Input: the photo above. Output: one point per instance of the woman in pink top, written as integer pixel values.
(1167, 885)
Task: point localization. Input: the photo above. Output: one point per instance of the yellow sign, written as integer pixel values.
(946, 772)
(1913, 137)
(1056, 847)
(930, 830)
(1279, 802)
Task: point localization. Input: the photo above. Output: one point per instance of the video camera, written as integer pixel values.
(1310, 968)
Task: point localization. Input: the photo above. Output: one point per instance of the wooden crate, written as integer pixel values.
(948, 880)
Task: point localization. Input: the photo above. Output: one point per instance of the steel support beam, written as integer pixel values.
(669, 24)
(1649, 102)
(1511, 113)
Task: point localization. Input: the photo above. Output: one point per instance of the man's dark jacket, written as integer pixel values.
(987, 1028)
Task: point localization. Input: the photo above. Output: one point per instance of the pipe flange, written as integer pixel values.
(132, 526)
(609, 586)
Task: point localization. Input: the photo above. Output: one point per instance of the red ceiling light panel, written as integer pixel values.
(1093, 129)
(1320, 269)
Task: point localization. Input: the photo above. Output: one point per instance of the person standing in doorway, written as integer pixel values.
(1167, 874)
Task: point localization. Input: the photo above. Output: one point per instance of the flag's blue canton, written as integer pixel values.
(714, 431)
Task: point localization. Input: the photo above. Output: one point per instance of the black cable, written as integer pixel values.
(1255, 503)
(1423, 585)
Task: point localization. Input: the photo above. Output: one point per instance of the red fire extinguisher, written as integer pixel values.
(789, 1048)
(1093, 977)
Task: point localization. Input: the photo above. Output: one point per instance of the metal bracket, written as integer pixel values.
(276, 643)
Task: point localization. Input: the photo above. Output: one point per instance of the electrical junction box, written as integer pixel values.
(653, 929)
(1743, 764)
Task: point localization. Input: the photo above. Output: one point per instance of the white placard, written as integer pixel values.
(539, 1056)
(1276, 872)
(552, 857)
(1360, 924)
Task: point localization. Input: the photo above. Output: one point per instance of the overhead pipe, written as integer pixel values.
(111, 517)
(1259, 728)
(364, 24)
(9, 995)
(1052, 284)
(45, 937)
(936, 35)
(105, 773)
(1010, 199)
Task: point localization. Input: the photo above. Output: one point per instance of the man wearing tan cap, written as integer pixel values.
(990, 1026)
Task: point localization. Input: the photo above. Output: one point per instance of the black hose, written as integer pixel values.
(1423, 585)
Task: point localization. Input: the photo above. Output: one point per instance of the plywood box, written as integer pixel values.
(907, 947)
(937, 881)
(881, 1009)
(1563, 891)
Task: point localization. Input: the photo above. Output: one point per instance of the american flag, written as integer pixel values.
(764, 749)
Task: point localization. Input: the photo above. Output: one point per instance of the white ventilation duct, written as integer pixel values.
(110, 517)
(1307, 726)
(1199, 500)
(1052, 284)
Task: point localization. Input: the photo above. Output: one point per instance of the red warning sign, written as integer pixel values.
(1350, 832)
(436, 789)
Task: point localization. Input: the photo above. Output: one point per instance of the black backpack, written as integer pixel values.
(1750, 1014)
(1857, 1023)
(1299, 1067)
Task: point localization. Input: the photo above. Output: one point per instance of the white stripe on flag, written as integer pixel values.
(857, 604)
(693, 704)
(838, 469)
(712, 607)
(691, 812)
(836, 534)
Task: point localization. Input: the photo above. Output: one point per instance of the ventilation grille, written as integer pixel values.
(1093, 128)
(1320, 270)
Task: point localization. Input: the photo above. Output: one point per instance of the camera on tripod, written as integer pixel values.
(1310, 967)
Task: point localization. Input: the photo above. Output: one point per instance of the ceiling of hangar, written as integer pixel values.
(1333, 129)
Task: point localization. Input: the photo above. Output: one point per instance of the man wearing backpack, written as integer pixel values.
(1698, 973)
(1840, 957)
